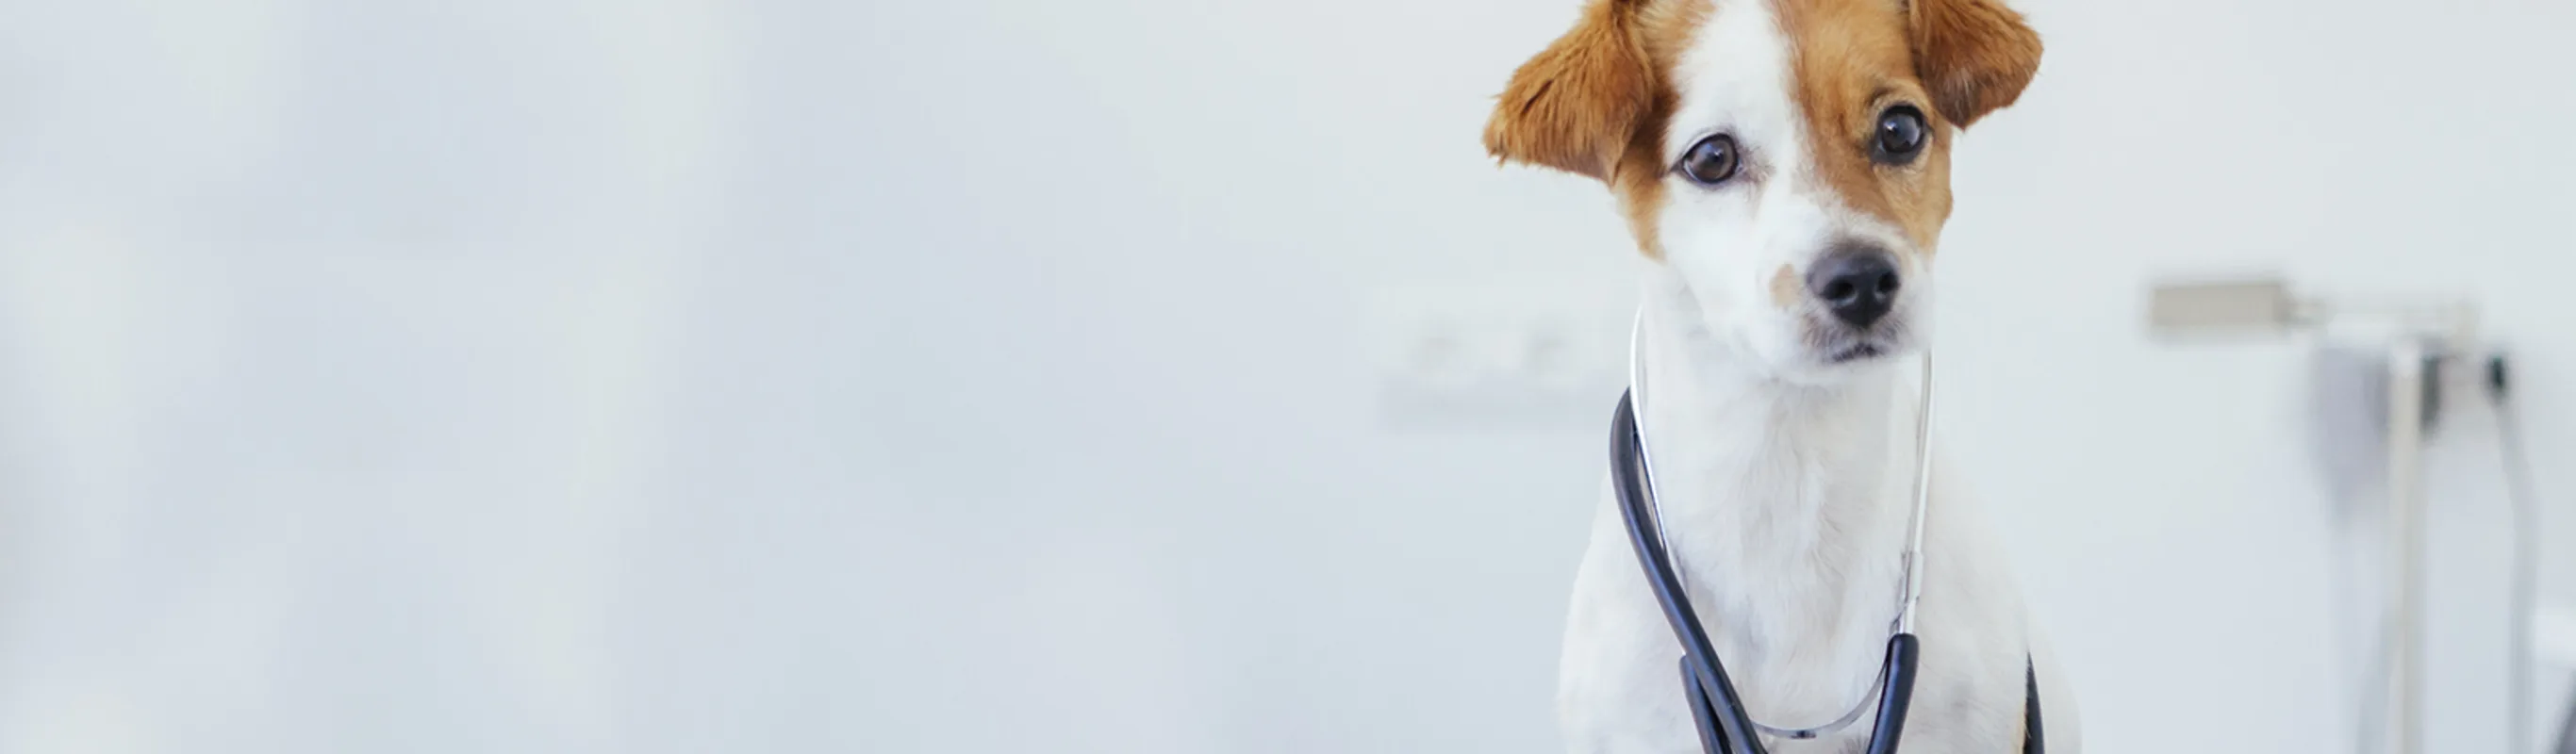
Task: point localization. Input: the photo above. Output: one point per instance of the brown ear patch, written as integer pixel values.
(1577, 104)
(1594, 103)
(1974, 55)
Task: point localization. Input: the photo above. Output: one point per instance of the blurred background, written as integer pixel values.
(1127, 376)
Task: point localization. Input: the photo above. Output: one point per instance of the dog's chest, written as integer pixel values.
(1622, 692)
(1799, 602)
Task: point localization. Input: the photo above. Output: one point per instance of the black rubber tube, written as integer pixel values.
(2034, 740)
(1735, 728)
(1716, 710)
(1896, 694)
(1703, 715)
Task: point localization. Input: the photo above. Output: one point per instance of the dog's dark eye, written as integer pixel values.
(1901, 135)
(1711, 161)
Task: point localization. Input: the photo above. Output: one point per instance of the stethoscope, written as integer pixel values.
(1724, 725)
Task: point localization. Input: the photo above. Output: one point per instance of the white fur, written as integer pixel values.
(1785, 479)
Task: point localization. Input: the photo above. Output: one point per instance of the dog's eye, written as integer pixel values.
(1901, 135)
(1711, 161)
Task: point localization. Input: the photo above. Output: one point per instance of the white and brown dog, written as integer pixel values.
(1785, 164)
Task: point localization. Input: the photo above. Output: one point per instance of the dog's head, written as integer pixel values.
(1789, 160)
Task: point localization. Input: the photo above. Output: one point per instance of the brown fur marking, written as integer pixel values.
(1852, 60)
(1785, 288)
(1849, 60)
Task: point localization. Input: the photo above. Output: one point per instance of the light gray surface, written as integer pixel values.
(637, 376)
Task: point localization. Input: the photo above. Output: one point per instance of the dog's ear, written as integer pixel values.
(1576, 105)
(1974, 55)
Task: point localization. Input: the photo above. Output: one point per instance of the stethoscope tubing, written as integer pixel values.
(1717, 710)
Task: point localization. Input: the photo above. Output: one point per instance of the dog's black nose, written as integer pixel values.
(1858, 283)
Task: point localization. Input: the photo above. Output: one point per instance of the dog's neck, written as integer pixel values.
(1785, 503)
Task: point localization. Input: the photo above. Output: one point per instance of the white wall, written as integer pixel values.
(989, 376)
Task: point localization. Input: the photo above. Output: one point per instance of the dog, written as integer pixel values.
(1784, 166)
